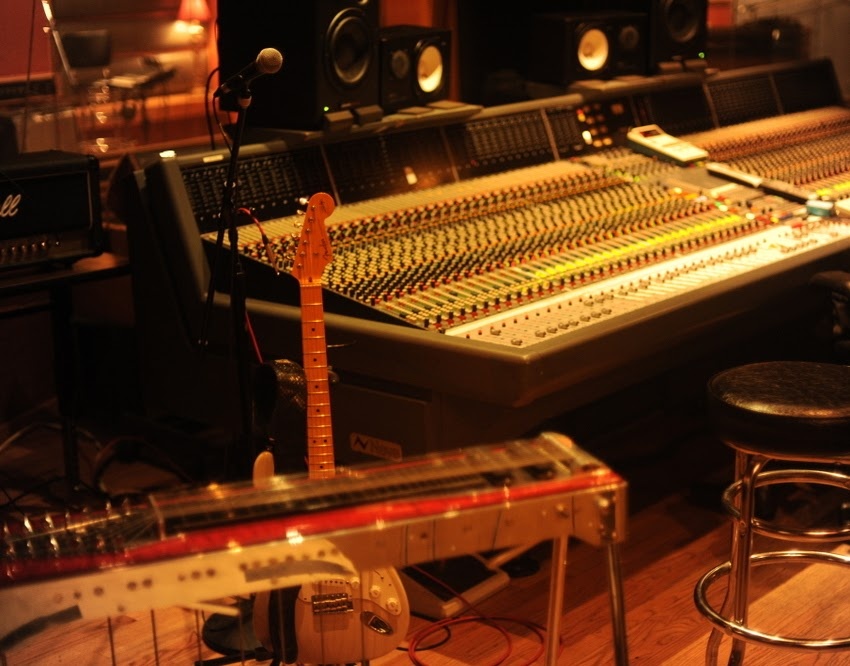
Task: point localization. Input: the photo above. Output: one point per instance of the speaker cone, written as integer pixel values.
(682, 18)
(349, 48)
(593, 50)
(629, 38)
(400, 64)
(429, 69)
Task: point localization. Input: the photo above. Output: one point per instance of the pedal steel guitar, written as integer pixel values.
(185, 547)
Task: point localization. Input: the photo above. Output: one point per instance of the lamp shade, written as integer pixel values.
(193, 10)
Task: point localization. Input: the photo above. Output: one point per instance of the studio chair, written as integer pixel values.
(101, 118)
(788, 422)
(88, 54)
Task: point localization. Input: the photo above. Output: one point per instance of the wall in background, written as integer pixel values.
(24, 40)
(142, 27)
(139, 29)
(824, 25)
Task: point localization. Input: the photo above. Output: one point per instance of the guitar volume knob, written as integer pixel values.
(394, 606)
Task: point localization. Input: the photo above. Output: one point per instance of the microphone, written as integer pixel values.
(268, 61)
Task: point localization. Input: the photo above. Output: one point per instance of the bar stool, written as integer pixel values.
(796, 413)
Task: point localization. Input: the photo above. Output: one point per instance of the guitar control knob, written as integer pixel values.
(393, 605)
(375, 591)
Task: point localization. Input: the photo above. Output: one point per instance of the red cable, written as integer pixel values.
(491, 621)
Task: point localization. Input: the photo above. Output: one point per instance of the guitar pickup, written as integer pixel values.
(338, 602)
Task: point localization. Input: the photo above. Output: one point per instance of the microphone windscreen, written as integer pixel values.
(291, 383)
(269, 61)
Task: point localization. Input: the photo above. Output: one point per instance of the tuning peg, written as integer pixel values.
(8, 548)
(30, 532)
(54, 542)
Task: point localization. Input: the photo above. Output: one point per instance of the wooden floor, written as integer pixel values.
(675, 534)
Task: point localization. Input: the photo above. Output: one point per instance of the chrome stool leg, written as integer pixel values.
(735, 603)
(796, 413)
(732, 618)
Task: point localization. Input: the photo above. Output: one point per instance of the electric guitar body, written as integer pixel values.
(358, 618)
(338, 620)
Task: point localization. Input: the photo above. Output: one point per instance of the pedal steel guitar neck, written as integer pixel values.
(184, 547)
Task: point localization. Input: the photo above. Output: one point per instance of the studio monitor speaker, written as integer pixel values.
(330, 53)
(677, 32)
(567, 47)
(415, 66)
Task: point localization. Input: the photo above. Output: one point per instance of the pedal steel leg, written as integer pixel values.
(608, 514)
(618, 608)
(556, 599)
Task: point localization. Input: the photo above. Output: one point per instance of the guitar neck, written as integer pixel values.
(320, 451)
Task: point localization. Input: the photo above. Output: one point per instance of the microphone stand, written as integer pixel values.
(221, 633)
(238, 292)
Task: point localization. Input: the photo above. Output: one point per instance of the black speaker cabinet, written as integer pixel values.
(677, 32)
(566, 47)
(330, 58)
(415, 66)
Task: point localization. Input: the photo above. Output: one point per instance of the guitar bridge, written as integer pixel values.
(338, 602)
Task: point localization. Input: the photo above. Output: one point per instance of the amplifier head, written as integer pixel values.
(49, 208)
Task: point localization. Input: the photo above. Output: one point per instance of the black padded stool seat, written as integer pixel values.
(783, 408)
(796, 412)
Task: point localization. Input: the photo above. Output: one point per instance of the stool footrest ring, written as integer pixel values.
(745, 633)
(788, 476)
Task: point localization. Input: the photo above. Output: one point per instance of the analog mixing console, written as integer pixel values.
(500, 266)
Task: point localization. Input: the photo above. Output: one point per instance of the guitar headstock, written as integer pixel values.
(313, 251)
